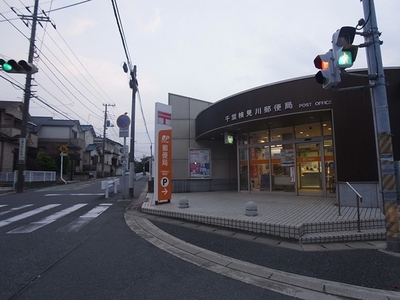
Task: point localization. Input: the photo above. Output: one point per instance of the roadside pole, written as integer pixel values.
(27, 97)
(383, 136)
(123, 123)
(133, 86)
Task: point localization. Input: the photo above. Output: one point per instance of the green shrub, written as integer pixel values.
(45, 162)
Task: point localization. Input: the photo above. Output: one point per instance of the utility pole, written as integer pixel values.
(383, 136)
(104, 137)
(134, 86)
(27, 97)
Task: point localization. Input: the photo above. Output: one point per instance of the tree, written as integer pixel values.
(45, 162)
(143, 164)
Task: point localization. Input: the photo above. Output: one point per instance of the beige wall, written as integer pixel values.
(223, 157)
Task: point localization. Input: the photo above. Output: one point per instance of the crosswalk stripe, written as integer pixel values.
(14, 209)
(86, 218)
(27, 214)
(47, 220)
(81, 194)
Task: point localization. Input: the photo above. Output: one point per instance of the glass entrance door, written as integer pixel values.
(243, 170)
(259, 169)
(309, 168)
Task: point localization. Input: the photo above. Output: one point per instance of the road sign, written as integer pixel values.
(123, 121)
(21, 152)
(63, 149)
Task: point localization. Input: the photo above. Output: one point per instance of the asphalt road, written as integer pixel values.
(69, 242)
(360, 267)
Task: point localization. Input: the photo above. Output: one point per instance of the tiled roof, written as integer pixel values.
(49, 121)
(5, 104)
(91, 147)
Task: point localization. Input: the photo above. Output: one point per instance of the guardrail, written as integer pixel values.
(359, 199)
(109, 183)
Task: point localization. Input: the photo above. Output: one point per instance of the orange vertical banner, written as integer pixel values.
(162, 170)
(164, 165)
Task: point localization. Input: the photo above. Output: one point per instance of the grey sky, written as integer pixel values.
(207, 50)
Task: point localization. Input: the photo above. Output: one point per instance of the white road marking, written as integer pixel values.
(53, 195)
(86, 218)
(27, 214)
(47, 220)
(14, 209)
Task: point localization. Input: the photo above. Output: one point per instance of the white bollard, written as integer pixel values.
(183, 202)
(251, 209)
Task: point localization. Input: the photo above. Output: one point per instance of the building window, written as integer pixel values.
(282, 134)
(327, 128)
(308, 130)
(259, 137)
(17, 124)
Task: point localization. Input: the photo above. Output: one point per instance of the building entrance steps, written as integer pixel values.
(307, 219)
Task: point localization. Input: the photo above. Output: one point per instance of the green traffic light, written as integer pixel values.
(345, 59)
(7, 67)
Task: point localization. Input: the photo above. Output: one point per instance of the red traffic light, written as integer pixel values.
(328, 75)
(321, 63)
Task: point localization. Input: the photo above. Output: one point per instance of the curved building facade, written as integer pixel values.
(288, 137)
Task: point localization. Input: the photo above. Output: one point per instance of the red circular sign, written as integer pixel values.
(123, 121)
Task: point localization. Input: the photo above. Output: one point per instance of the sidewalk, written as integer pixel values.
(291, 272)
(306, 219)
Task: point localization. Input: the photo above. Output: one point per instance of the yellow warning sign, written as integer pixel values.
(63, 149)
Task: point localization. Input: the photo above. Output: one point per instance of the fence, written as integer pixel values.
(30, 176)
(6, 177)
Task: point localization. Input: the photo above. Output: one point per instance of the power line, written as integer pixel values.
(83, 66)
(51, 71)
(72, 85)
(54, 67)
(121, 32)
(144, 119)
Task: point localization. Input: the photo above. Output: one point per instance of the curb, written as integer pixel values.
(290, 284)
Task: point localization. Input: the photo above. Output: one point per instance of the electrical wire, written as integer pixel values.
(13, 83)
(87, 72)
(66, 79)
(121, 32)
(52, 68)
(131, 67)
(144, 119)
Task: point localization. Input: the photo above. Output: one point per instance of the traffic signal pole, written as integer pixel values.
(27, 97)
(383, 136)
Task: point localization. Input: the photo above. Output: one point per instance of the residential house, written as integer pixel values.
(54, 133)
(10, 131)
(85, 150)
(112, 155)
(92, 154)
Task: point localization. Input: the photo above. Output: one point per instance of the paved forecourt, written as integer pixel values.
(308, 219)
